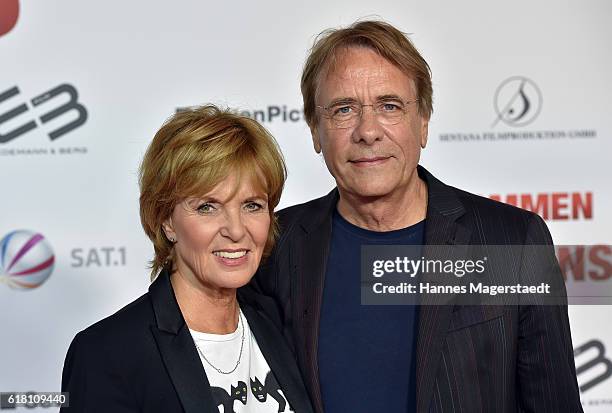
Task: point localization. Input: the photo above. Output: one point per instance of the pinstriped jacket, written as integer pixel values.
(470, 359)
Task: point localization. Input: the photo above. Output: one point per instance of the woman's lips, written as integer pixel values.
(232, 258)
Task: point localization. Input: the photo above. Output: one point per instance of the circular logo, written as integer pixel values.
(9, 12)
(517, 101)
(26, 259)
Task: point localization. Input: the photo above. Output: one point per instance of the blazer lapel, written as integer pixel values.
(308, 258)
(441, 229)
(279, 359)
(178, 350)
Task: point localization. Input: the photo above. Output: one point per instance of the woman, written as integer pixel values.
(209, 183)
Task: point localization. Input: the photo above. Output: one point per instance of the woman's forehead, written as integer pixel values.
(246, 183)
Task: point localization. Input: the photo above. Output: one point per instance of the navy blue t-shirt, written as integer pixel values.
(367, 354)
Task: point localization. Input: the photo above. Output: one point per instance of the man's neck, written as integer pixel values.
(398, 210)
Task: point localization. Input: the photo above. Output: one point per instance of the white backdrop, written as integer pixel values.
(134, 63)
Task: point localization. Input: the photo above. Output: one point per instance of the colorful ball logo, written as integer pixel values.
(26, 259)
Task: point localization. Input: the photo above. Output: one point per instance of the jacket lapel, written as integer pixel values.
(279, 358)
(178, 350)
(441, 229)
(308, 258)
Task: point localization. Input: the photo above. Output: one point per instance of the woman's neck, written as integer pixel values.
(204, 309)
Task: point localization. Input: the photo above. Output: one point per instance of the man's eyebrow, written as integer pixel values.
(342, 101)
(389, 97)
(349, 100)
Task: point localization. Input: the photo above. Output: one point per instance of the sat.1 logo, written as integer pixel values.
(26, 260)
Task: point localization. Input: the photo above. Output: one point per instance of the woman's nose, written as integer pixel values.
(233, 226)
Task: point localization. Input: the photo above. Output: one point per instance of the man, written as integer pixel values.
(367, 100)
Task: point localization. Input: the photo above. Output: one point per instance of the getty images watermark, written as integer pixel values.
(483, 275)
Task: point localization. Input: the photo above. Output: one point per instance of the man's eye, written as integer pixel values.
(342, 110)
(206, 208)
(389, 107)
(253, 206)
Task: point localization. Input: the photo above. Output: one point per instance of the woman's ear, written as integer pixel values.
(168, 229)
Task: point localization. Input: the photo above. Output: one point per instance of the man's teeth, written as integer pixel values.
(231, 255)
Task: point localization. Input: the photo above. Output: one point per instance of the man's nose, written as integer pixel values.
(368, 130)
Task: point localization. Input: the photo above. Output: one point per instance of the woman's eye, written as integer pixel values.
(206, 208)
(253, 206)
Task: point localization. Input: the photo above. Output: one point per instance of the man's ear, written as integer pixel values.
(424, 131)
(316, 142)
(168, 229)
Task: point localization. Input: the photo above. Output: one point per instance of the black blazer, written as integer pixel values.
(143, 359)
(469, 359)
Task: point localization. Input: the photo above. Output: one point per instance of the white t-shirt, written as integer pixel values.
(252, 387)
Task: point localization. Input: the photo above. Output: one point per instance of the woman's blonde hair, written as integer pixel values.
(194, 151)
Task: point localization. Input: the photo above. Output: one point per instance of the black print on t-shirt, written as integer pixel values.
(221, 397)
(270, 387)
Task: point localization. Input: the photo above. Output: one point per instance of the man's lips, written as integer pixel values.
(369, 161)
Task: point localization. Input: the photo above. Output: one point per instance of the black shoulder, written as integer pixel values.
(125, 329)
(106, 359)
(295, 212)
(488, 204)
(495, 222)
(308, 214)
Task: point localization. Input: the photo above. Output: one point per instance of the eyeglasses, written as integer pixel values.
(344, 115)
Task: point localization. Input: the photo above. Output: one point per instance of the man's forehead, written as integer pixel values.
(355, 64)
(354, 58)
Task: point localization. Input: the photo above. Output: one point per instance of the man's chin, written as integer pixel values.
(373, 191)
